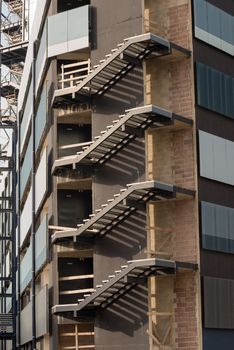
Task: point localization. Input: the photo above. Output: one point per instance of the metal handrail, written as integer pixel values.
(72, 73)
(12, 77)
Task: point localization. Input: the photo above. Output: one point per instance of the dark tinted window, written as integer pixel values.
(215, 90)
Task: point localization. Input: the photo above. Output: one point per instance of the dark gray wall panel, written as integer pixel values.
(123, 325)
(226, 6)
(214, 123)
(217, 264)
(218, 303)
(73, 267)
(69, 134)
(73, 207)
(115, 21)
(217, 227)
(126, 242)
(216, 192)
(218, 339)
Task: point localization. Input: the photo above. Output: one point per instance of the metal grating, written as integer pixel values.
(6, 326)
(14, 54)
(119, 134)
(115, 65)
(121, 206)
(122, 281)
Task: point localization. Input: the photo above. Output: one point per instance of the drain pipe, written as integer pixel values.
(18, 239)
(33, 184)
(14, 225)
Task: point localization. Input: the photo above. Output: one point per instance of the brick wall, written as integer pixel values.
(185, 312)
(172, 159)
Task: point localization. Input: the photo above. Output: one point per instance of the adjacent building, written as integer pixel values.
(125, 177)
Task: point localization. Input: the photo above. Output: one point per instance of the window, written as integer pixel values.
(215, 90)
(217, 227)
(216, 158)
(214, 26)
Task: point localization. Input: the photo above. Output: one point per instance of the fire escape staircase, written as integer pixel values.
(116, 65)
(12, 26)
(119, 134)
(7, 206)
(117, 209)
(10, 84)
(12, 54)
(6, 327)
(122, 281)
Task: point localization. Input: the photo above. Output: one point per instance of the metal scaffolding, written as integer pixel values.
(13, 47)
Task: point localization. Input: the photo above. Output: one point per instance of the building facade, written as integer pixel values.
(125, 177)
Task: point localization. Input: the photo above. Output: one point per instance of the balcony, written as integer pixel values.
(73, 73)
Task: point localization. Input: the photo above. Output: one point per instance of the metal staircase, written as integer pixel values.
(119, 134)
(14, 27)
(10, 84)
(116, 65)
(14, 22)
(122, 281)
(133, 197)
(6, 326)
(7, 234)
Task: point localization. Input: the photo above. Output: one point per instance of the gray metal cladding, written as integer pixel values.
(66, 33)
(218, 303)
(217, 227)
(214, 26)
(216, 158)
(215, 90)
